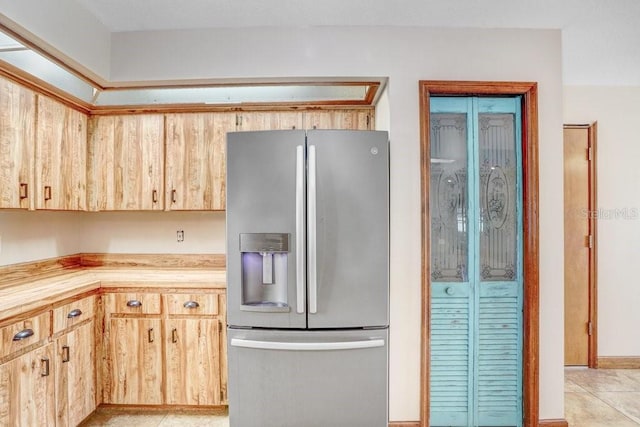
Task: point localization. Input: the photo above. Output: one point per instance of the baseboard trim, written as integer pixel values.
(404, 424)
(615, 362)
(553, 423)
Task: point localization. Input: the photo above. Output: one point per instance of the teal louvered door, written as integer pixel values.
(476, 262)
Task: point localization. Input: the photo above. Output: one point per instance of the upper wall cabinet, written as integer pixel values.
(358, 119)
(17, 124)
(270, 120)
(196, 160)
(126, 162)
(61, 156)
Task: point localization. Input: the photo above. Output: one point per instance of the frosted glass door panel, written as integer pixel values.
(448, 198)
(497, 169)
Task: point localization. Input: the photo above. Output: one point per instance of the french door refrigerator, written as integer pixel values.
(308, 278)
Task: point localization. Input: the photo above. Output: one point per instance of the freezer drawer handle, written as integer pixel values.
(307, 346)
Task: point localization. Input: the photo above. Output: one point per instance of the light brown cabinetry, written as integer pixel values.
(27, 389)
(193, 349)
(61, 156)
(74, 332)
(357, 119)
(170, 351)
(135, 361)
(17, 127)
(75, 375)
(196, 160)
(126, 162)
(270, 120)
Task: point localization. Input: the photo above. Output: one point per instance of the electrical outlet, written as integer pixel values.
(180, 236)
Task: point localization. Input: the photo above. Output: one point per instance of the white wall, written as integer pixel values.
(153, 232)
(28, 236)
(68, 31)
(617, 111)
(405, 55)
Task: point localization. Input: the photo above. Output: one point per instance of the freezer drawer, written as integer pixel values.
(308, 378)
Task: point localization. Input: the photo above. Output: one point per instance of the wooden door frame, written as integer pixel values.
(530, 366)
(592, 131)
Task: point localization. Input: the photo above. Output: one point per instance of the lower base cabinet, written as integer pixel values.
(134, 371)
(75, 376)
(192, 363)
(27, 389)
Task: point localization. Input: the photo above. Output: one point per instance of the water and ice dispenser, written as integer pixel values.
(264, 271)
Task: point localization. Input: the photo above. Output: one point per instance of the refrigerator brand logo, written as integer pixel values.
(374, 150)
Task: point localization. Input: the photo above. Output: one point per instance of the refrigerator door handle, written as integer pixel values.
(311, 232)
(300, 273)
(307, 346)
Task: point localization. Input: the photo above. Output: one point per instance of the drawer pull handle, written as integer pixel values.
(174, 335)
(47, 192)
(66, 354)
(74, 313)
(154, 196)
(134, 303)
(150, 334)
(23, 334)
(173, 196)
(45, 363)
(191, 304)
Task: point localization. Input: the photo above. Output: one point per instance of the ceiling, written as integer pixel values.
(601, 38)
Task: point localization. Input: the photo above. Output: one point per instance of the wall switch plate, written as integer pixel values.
(180, 236)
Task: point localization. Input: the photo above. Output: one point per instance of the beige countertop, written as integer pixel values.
(41, 292)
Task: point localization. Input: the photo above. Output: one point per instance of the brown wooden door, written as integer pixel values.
(75, 376)
(196, 160)
(579, 236)
(61, 156)
(193, 362)
(126, 162)
(135, 357)
(360, 119)
(26, 390)
(17, 124)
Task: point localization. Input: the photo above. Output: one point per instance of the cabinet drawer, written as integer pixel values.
(72, 313)
(192, 303)
(23, 333)
(132, 302)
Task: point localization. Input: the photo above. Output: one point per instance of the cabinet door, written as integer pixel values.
(193, 361)
(126, 162)
(17, 125)
(61, 156)
(26, 390)
(196, 160)
(360, 119)
(135, 362)
(75, 376)
(270, 120)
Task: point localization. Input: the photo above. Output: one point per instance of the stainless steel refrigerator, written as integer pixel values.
(308, 278)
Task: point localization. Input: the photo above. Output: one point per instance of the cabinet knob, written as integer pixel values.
(23, 335)
(191, 304)
(134, 303)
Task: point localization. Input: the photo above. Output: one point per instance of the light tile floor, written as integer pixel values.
(602, 397)
(593, 398)
(127, 418)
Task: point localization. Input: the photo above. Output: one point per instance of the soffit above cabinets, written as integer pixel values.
(33, 65)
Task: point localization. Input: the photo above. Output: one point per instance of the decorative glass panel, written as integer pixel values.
(497, 161)
(448, 198)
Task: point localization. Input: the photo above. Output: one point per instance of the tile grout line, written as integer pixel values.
(592, 393)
